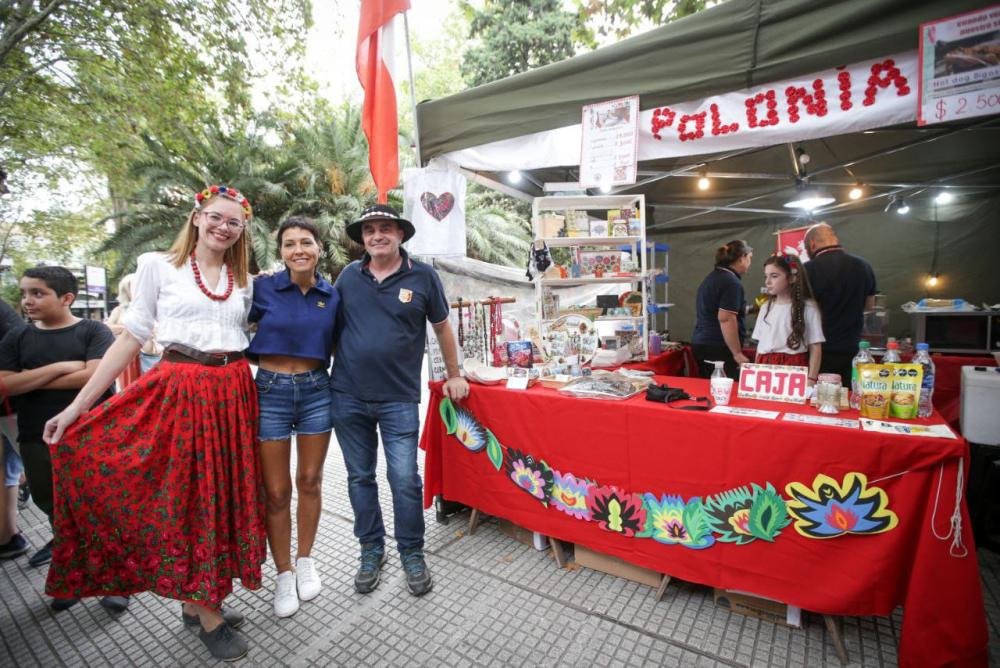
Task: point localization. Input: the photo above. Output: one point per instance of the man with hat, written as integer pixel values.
(386, 298)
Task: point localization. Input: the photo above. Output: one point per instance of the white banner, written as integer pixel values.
(858, 97)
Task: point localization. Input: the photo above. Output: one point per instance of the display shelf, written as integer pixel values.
(563, 242)
(589, 280)
(632, 244)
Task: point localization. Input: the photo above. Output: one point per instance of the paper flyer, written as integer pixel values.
(821, 419)
(933, 430)
(745, 412)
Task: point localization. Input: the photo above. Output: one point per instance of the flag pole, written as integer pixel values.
(413, 95)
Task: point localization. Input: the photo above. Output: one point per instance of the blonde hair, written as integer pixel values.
(237, 256)
(125, 290)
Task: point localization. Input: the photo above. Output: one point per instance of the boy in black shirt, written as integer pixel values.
(43, 366)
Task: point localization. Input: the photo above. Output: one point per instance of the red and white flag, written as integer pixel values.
(374, 64)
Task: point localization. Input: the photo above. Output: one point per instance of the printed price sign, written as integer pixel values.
(960, 67)
(774, 382)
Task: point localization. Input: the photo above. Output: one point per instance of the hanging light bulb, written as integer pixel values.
(605, 188)
(856, 192)
(944, 197)
(902, 207)
(514, 176)
(932, 280)
(704, 183)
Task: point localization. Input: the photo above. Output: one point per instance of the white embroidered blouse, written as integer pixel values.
(168, 298)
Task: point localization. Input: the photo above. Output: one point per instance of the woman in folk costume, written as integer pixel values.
(158, 489)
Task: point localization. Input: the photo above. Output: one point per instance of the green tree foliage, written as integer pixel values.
(83, 80)
(515, 36)
(620, 18)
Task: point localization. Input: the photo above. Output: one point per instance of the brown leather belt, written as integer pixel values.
(177, 352)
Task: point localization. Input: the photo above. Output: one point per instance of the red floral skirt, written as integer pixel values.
(158, 489)
(784, 359)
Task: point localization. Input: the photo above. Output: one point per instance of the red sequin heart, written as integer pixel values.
(438, 206)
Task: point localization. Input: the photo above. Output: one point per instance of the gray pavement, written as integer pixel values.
(495, 602)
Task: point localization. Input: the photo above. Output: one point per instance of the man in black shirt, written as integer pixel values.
(43, 366)
(844, 287)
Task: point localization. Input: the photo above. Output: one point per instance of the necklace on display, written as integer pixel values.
(201, 285)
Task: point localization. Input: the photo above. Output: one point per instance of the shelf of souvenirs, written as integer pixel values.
(589, 279)
(562, 242)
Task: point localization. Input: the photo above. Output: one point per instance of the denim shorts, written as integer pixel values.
(11, 464)
(293, 403)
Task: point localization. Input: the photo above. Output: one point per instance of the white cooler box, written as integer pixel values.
(980, 416)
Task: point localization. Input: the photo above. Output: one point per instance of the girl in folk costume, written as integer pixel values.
(158, 489)
(788, 329)
(114, 322)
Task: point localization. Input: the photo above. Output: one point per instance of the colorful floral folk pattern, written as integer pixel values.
(825, 509)
(158, 489)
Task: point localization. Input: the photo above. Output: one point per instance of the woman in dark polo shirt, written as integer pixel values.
(295, 311)
(721, 305)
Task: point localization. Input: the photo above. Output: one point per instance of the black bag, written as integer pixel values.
(668, 395)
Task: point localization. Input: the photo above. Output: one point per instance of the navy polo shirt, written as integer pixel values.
(292, 323)
(720, 289)
(382, 329)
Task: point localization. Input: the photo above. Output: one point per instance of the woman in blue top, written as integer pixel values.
(721, 306)
(295, 311)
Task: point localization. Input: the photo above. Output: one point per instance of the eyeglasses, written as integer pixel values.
(216, 219)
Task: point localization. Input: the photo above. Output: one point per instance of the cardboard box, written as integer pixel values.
(522, 535)
(615, 566)
(749, 605)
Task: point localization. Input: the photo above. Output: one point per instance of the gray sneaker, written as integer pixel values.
(372, 558)
(418, 577)
(224, 643)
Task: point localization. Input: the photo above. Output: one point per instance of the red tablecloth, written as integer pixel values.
(642, 446)
(669, 363)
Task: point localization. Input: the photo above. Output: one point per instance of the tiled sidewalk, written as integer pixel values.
(495, 602)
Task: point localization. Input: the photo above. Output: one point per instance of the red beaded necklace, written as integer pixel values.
(208, 293)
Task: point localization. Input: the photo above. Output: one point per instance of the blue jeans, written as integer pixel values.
(355, 422)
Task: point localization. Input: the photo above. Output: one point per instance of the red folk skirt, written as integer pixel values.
(784, 359)
(159, 489)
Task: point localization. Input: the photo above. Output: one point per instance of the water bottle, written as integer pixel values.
(864, 356)
(923, 358)
(891, 353)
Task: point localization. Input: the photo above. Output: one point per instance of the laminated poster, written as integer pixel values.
(746, 412)
(609, 143)
(932, 430)
(821, 419)
(960, 66)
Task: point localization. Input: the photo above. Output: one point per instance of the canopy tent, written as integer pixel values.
(742, 46)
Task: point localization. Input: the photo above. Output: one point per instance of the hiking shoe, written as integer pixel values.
(114, 604)
(418, 578)
(286, 598)
(42, 557)
(15, 547)
(307, 579)
(224, 643)
(23, 495)
(231, 617)
(372, 558)
(60, 604)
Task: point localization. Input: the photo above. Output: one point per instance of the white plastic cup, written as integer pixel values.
(722, 390)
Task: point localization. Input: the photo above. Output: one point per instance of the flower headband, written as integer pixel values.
(792, 261)
(225, 191)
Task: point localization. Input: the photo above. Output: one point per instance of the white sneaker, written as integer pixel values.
(307, 578)
(286, 599)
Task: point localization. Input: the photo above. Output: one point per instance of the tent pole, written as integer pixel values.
(413, 95)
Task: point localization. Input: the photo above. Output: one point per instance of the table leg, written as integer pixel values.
(662, 589)
(833, 628)
(474, 520)
(557, 552)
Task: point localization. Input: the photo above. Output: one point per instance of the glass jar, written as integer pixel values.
(828, 393)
